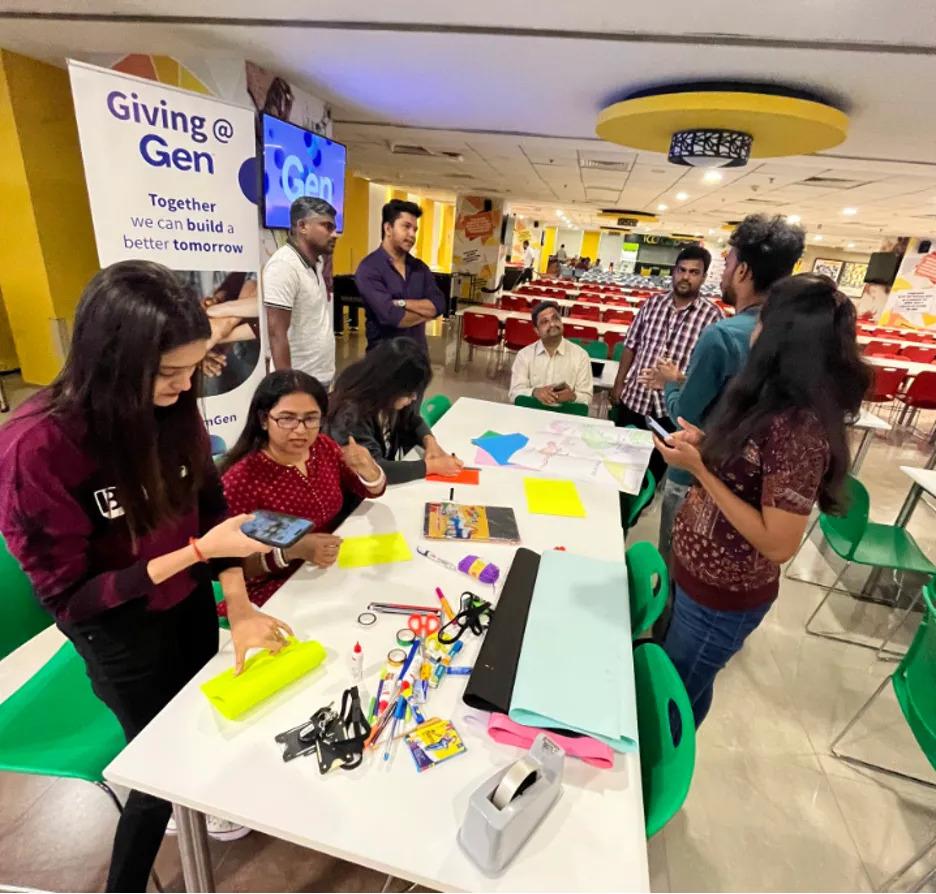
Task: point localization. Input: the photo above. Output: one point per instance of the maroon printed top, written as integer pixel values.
(62, 521)
(259, 482)
(783, 468)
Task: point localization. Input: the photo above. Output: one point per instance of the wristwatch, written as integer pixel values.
(400, 302)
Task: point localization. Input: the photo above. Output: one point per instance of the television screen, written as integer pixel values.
(298, 162)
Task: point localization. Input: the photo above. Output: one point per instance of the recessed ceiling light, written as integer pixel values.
(817, 237)
(712, 177)
(793, 218)
(662, 207)
(682, 196)
(711, 232)
(849, 212)
(850, 245)
(560, 212)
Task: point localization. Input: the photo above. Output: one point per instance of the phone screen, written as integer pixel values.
(658, 429)
(276, 528)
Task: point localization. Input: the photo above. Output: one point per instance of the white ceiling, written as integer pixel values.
(519, 105)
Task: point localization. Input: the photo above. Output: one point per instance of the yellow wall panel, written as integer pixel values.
(590, 239)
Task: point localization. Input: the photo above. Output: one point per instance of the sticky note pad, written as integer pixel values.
(465, 476)
(546, 496)
(373, 549)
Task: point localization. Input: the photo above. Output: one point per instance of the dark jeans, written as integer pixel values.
(137, 661)
(700, 641)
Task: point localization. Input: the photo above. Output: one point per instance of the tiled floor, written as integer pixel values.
(769, 809)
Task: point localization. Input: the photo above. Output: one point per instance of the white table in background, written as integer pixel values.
(913, 368)
(386, 816)
(868, 424)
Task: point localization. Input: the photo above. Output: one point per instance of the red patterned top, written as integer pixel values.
(259, 482)
(782, 468)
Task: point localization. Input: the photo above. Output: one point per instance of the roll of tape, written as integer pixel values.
(405, 637)
(519, 777)
(366, 619)
(396, 657)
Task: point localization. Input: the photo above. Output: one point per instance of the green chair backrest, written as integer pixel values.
(632, 505)
(595, 349)
(914, 679)
(223, 622)
(434, 408)
(572, 408)
(647, 585)
(618, 351)
(21, 615)
(667, 735)
(844, 532)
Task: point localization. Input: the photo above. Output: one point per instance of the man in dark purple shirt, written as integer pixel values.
(399, 291)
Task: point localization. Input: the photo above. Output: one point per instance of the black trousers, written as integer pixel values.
(137, 662)
(626, 416)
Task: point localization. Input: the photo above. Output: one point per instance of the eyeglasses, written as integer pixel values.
(289, 423)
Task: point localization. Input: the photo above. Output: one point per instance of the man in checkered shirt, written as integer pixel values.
(667, 327)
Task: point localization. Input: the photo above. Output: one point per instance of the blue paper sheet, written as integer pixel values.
(501, 447)
(576, 668)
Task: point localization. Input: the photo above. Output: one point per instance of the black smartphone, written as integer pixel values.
(658, 429)
(276, 528)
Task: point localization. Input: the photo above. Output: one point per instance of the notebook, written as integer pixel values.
(458, 521)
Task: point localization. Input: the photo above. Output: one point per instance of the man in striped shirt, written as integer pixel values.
(666, 327)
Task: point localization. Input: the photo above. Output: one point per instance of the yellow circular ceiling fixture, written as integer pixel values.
(723, 126)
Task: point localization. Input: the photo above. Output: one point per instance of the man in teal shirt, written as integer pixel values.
(762, 250)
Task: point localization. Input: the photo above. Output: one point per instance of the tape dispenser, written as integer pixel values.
(505, 811)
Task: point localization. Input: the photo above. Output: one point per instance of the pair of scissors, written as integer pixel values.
(424, 625)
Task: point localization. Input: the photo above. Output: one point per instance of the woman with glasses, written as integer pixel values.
(376, 403)
(282, 463)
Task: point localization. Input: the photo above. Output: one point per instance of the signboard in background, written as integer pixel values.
(476, 249)
(169, 173)
(912, 299)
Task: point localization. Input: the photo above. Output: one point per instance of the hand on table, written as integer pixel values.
(545, 395)
(445, 464)
(256, 630)
(320, 550)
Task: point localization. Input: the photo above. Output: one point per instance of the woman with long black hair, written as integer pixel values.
(113, 507)
(775, 445)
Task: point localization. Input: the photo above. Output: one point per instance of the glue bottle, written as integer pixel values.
(357, 663)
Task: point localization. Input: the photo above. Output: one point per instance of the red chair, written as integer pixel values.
(885, 384)
(480, 331)
(574, 330)
(882, 349)
(921, 395)
(584, 312)
(525, 290)
(518, 333)
(611, 338)
(618, 316)
(918, 354)
(515, 303)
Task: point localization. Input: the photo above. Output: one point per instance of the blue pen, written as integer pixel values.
(416, 712)
(409, 660)
(397, 716)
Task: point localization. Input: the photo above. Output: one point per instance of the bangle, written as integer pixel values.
(198, 553)
(263, 564)
(279, 557)
(376, 482)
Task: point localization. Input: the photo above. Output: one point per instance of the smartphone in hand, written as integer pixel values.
(658, 429)
(276, 528)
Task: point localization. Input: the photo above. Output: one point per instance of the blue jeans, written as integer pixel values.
(701, 640)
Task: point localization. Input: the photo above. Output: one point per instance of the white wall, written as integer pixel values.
(609, 249)
(572, 240)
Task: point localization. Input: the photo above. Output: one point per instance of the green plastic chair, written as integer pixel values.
(21, 615)
(916, 696)
(632, 505)
(618, 351)
(648, 585)
(667, 735)
(572, 408)
(595, 349)
(859, 541)
(434, 408)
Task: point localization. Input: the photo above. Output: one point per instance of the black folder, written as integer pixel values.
(491, 683)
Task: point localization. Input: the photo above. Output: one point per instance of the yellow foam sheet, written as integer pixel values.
(548, 496)
(374, 549)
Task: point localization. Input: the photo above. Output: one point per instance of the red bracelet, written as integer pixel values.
(198, 552)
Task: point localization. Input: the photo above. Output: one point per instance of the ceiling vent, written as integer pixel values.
(424, 152)
(598, 164)
(831, 182)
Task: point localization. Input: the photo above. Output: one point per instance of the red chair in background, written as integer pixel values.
(584, 312)
(525, 290)
(885, 384)
(921, 395)
(480, 331)
(618, 316)
(918, 353)
(611, 339)
(518, 333)
(574, 330)
(882, 349)
(515, 303)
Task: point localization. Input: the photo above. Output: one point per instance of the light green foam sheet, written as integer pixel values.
(576, 667)
(264, 674)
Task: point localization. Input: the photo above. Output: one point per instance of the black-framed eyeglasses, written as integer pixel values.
(290, 423)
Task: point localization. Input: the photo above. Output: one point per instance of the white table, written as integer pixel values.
(912, 368)
(868, 424)
(386, 816)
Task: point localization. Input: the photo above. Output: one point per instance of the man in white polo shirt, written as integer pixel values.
(552, 370)
(300, 316)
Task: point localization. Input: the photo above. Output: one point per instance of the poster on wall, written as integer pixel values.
(476, 250)
(827, 267)
(912, 299)
(169, 175)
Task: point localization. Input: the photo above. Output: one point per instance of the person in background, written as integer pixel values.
(114, 509)
(376, 403)
(774, 445)
(762, 250)
(666, 327)
(297, 298)
(597, 265)
(553, 370)
(610, 266)
(283, 463)
(400, 293)
(562, 255)
(529, 262)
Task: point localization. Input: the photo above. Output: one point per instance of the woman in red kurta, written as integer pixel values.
(282, 463)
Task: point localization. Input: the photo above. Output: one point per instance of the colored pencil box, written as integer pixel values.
(264, 674)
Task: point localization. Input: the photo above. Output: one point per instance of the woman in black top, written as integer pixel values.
(376, 402)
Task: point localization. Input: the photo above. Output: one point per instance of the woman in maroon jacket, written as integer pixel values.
(114, 509)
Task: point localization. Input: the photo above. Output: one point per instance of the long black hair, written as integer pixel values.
(806, 358)
(271, 390)
(129, 315)
(395, 368)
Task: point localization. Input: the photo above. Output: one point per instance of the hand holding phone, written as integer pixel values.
(658, 430)
(276, 528)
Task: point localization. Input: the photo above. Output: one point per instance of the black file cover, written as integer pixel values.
(491, 683)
